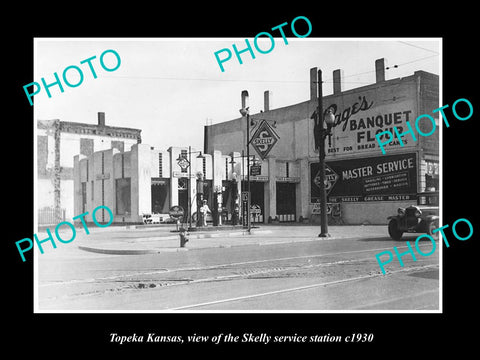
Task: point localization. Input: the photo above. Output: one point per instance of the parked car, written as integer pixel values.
(158, 219)
(420, 218)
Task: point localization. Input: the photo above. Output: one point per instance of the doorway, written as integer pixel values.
(257, 203)
(160, 196)
(183, 196)
(286, 201)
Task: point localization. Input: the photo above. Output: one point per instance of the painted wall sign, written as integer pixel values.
(359, 118)
(261, 178)
(179, 174)
(286, 179)
(383, 178)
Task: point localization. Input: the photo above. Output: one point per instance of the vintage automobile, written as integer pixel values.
(420, 218)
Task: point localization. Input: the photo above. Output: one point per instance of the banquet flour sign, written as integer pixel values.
(359, 118)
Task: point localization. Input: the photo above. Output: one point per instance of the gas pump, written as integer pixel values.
(218, 205)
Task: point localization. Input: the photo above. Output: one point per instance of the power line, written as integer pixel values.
(199, 79)
(419, 47)
(387, 68)
(266, 81)
(417, 60)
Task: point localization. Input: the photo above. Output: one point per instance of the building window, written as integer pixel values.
(287, 170)
(160, 196)
(123, 196)
(204, 167)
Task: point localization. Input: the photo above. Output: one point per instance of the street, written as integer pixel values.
(308, 274)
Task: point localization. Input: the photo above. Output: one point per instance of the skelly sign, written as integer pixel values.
(331, 178)
(264, 139)
(358, 118)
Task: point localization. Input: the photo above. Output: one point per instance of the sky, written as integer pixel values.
(171, 87)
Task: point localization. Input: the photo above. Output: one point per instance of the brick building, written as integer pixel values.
(363, 184)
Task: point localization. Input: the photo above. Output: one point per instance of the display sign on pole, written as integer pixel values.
(255, 170)
(245, 207)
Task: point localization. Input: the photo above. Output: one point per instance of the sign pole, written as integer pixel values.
(248, 171)
(321, 155)
(188, 187)
(246, 112)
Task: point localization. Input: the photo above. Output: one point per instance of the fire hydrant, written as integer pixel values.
(183, 237)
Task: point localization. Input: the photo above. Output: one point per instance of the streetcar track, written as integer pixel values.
(253, 273)
(203, 268)
(135, 284)
(300, 288)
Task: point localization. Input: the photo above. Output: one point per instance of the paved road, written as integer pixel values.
(308, 275)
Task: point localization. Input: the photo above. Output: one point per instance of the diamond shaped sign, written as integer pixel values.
(264, 139)
(183, 163)
(331, 178)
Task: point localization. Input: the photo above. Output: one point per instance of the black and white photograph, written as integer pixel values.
(221, 179)
(196, 174)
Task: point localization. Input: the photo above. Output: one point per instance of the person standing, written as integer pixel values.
(204, 210)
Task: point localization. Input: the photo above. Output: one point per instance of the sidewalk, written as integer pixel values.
(150, 240)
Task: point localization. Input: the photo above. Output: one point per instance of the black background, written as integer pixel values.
(66, 335)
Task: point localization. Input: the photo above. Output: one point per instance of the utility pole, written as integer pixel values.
(246, 112)
(189, 187)
(321, 156)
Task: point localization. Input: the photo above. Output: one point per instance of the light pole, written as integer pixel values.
(238, 179)
(320, 134)
(200, 199)
(188, 187)
(245, 112)
(181, 159)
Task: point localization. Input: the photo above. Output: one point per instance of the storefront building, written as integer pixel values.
(362, 183)
(144, 183)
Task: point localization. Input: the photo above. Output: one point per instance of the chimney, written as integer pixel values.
(313, 84)
(380, 65)
(266, 100)
(337, 81)
(101, 119)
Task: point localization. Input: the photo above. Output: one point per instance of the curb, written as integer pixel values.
(179, 249)
(130, 252)
(210, 246)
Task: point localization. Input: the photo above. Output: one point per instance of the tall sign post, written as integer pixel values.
(245, 112)
(320, 133)
(245, 208)
(185, 163)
